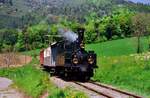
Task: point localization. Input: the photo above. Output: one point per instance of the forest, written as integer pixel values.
(121, 23)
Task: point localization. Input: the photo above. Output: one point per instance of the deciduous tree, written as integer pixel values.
(141, 25)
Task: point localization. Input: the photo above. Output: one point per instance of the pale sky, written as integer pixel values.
(141, 1)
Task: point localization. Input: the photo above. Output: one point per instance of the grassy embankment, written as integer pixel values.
(119, 67)
(33, 82)
(118, 47)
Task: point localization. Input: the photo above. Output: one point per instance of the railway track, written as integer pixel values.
(106, 91)
(94, 89)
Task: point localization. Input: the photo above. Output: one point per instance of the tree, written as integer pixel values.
(92, 27)
(140, 23)
(118, 25)
(8, 38)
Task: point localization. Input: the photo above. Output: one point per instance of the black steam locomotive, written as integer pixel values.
(69, 59)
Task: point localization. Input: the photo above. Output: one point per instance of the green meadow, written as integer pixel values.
(119, 65)
(118, 47)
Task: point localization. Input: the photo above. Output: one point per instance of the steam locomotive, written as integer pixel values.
(69, 59)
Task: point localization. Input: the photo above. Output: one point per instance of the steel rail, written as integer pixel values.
(114, 89)
(91, 89)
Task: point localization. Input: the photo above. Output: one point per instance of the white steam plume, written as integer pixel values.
(68, 35)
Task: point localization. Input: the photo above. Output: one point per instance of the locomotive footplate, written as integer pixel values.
(70, 71)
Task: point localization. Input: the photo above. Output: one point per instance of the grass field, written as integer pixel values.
(126, 72)
(118, 47)
(119, 65)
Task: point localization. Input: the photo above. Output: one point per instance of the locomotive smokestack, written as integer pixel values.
(80, 34)
(81, 37)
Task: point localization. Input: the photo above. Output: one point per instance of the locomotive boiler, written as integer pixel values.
(69, 58)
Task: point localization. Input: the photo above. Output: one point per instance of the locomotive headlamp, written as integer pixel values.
(75, 60)
(90, 60)
(82, 45)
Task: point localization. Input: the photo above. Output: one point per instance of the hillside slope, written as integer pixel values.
(35, 10)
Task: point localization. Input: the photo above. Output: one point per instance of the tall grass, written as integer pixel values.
(66, 93)
(125, 72)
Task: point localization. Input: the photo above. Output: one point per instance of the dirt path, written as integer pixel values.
(6, 91)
